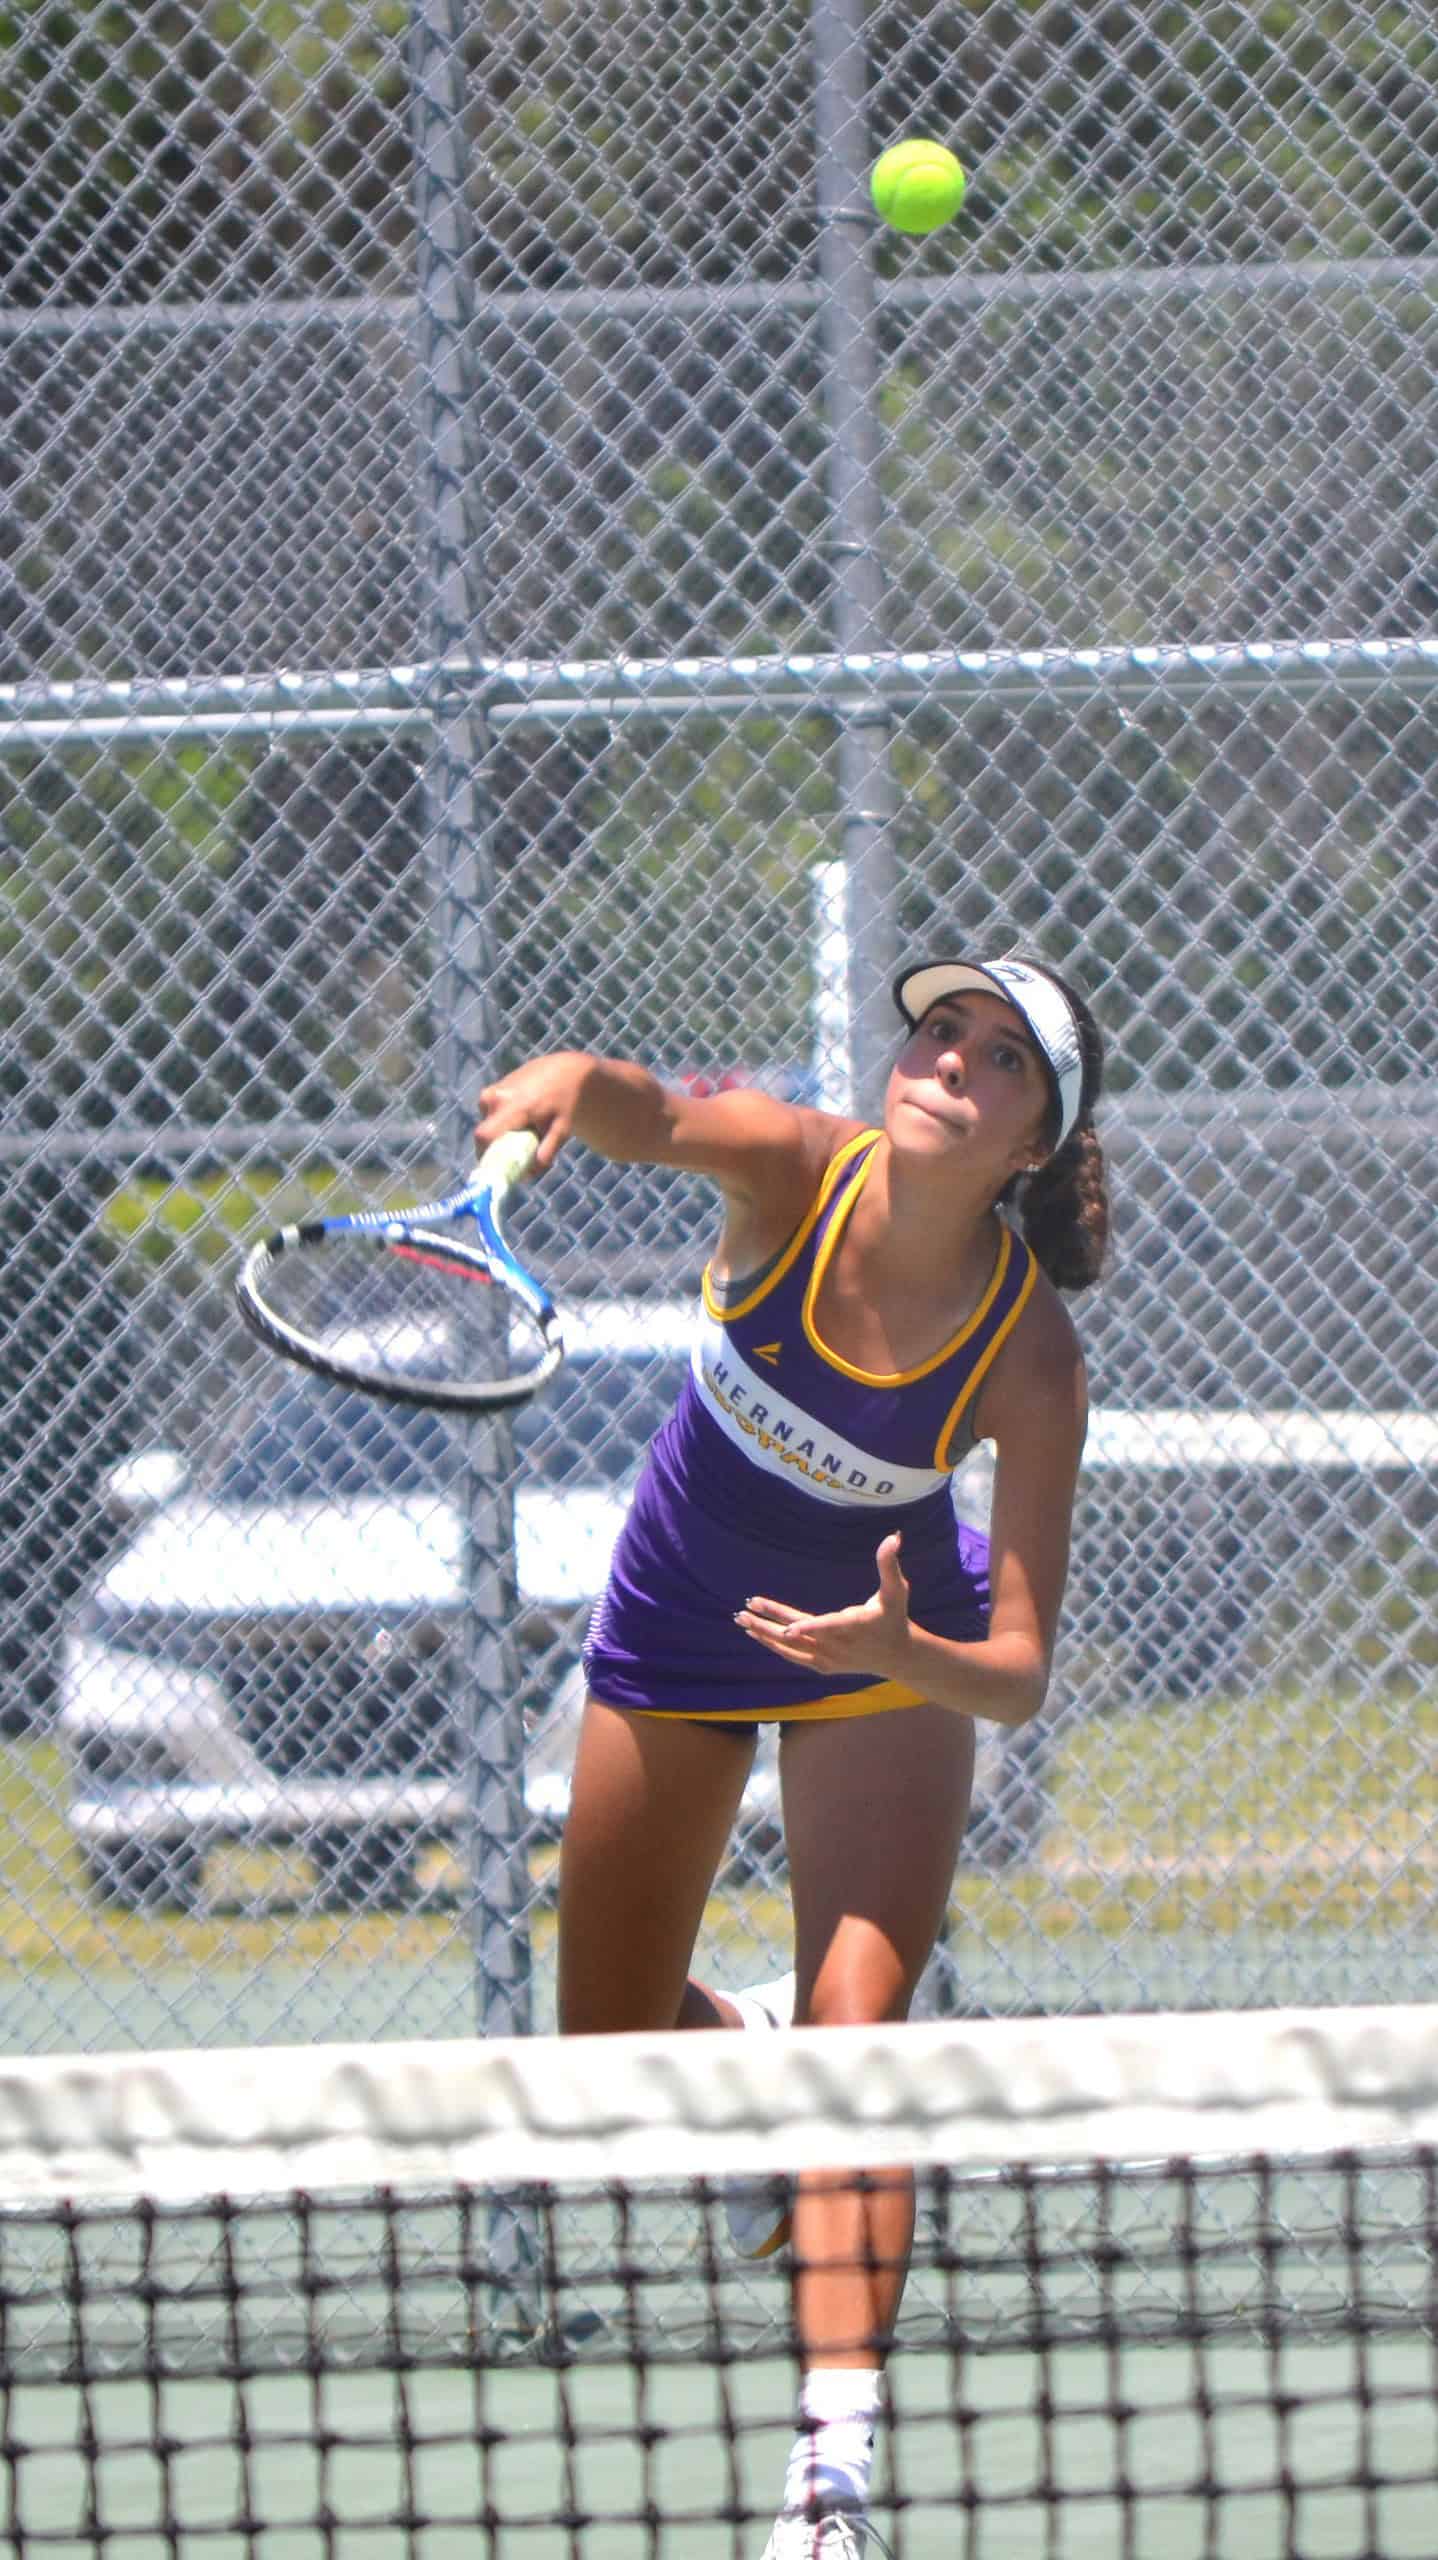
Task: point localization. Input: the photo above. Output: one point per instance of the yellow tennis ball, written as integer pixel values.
(917, 185)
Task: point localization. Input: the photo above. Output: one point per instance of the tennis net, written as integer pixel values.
(1173, 2294)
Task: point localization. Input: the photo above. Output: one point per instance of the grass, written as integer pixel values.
(1279, 1767)
(190, 1228)
(1279, 1809)
(209, 1216)
(1282, 1810)
(48, 1919)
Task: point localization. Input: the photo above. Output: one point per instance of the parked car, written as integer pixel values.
(273, 1656)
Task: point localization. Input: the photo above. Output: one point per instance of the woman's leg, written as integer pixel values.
(651, 1808)
(874, 1813)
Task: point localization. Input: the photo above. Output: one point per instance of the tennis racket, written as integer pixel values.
(384, 1300)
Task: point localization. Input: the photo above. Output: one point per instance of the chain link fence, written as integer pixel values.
(464, 465)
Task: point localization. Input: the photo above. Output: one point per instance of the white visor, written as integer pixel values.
(1034, 996)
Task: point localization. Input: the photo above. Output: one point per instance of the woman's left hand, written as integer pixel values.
(871, 1638)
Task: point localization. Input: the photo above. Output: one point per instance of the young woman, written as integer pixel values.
(879, 1299)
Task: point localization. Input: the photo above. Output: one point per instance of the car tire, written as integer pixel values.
(135, 1879)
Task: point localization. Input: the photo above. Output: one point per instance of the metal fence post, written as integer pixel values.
(848, 330)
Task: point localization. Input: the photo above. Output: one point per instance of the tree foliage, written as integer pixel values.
(238, 145)
(1057, 469)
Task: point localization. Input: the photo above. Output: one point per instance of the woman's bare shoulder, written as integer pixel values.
(780, 1182)
(1040, 1367)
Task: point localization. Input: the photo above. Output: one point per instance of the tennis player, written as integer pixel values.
(879, 1299)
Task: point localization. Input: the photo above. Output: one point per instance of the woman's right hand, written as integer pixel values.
(543, 1095)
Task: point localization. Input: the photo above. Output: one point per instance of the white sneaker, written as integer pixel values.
(767, 2004)
(757, 2213)
(841, 2536)
(757, 2209)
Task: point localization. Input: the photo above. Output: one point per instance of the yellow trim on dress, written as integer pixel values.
(946, 1350)
(882, 1698)
(796, 1243)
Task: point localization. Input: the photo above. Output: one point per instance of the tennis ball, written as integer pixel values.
(917, 185)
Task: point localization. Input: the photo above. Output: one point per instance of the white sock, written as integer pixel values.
(833, 2452)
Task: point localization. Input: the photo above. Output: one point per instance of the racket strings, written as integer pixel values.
(387, 1303)
(400, 1308)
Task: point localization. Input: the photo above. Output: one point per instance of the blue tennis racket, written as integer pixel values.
(385, 1300)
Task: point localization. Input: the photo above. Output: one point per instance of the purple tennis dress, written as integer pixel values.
(778, 1472)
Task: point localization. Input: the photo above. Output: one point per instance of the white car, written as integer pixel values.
(276, 1655)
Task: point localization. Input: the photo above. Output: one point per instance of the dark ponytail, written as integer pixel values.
(1061, 1208)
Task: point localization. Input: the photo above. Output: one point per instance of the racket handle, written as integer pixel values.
(508, 1160)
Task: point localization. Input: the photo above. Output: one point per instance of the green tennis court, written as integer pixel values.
(1170, 2296)
(397, 2467)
